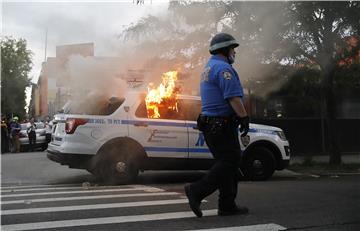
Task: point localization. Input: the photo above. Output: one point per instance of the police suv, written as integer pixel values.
(119, 140)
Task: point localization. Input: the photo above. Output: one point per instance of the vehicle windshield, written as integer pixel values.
(23, 126)
(96, 107)
(39, 125)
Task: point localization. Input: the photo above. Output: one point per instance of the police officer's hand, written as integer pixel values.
(244, 125)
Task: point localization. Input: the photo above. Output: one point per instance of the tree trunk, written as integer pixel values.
(329, 115)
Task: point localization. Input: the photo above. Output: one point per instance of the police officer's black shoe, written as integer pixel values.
(238, 210)
(193, 201)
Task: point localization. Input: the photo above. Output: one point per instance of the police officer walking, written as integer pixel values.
(222, 113)
(31, 131)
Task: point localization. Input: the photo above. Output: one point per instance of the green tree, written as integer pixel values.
(15, 67)
(347, 73)
(317, 30)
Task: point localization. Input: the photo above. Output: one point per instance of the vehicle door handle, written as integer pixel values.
(139, 124)
(195, 128)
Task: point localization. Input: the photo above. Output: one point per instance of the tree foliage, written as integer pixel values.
(15, 67)
(317, 31)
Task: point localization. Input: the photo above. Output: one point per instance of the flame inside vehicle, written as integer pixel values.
(163, 98)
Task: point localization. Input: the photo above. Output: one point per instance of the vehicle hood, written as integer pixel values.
(264, 127)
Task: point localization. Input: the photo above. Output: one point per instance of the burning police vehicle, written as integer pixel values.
(155, 130)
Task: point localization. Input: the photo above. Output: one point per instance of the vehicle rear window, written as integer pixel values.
(95, 107)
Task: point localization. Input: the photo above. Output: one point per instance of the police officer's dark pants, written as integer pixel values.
(223, 175)
(32, 140)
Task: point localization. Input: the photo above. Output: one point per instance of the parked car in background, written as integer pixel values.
(40, 137)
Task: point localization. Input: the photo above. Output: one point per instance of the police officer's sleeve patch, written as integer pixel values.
(227, 75)
(205, 74)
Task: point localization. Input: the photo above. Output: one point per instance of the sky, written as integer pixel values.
(72, 22)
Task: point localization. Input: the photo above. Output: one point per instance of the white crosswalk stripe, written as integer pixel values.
(105, 220)
(81, 191)
(261, 227)
(89, 197)
(29, 208)
(13, 190)
(95, 206)
(36, 186)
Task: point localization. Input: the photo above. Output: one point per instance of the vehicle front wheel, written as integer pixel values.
(259, 164)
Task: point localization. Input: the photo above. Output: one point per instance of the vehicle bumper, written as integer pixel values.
(69, 159)
(283, 164)
(285, 157)
(40, 140)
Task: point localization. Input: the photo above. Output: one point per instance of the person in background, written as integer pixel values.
(14, 133)
(48, 129)
(4, 136)
(31, 131)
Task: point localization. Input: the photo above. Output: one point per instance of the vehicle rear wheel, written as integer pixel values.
(259, 164)
(117, 162)
(117, 170)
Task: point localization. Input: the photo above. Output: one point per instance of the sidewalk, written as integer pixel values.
(318, 166)
(346, 159)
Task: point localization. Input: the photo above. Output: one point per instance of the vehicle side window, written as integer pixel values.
(186, 110)
(191, 109)
(141, 110)
(112, 106)
(165, 113)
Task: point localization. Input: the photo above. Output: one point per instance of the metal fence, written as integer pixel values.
(300, 118)
(306, 134)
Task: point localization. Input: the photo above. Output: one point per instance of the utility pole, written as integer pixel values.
(46, 34)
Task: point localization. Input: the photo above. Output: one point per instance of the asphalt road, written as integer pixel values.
(39, 194)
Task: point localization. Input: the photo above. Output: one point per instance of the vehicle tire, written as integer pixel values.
(117, 162)
(23, 149)
(259, 164)
(43, 147)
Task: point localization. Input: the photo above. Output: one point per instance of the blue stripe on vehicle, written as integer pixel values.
(193, 125)
(251, 130)
(201, 150)
(166, 149)
(155, 123)
(173, 124)
(169, 149)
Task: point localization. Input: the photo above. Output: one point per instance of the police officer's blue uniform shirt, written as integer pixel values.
(219, 82)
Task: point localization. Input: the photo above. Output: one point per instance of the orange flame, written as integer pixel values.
(163, 97)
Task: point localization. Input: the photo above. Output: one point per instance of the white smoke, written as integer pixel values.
(93, 81)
